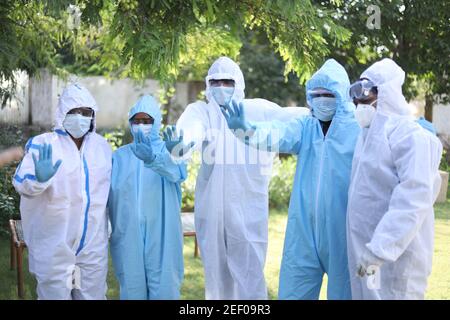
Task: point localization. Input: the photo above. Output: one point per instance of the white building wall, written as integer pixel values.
(441, 119)
(16, 110)
(39, 95)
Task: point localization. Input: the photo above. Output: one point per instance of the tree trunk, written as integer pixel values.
(167, 106)
(429, 107)
(165, 116)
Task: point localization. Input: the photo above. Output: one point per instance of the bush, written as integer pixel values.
(445, 165)
(9, 199)
(116, 137)
(188, 186)
(280, 186)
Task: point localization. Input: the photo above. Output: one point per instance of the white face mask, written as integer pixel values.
(222, 95)
(145, 128)
(77, 125)
(324, 108)
(364, 114)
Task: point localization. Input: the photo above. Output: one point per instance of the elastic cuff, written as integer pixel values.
(40, 187)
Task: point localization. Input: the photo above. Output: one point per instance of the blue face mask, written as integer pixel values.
(145, 128)
(77, 125)
(222, 95)
(324, 108)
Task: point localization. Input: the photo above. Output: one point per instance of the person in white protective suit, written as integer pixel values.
(64, 180)
(394, 183)
(231, 194)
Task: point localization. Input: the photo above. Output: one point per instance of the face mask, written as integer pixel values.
(77, 125)
(324, 108)
(364, 114)
(222, 95)
(145, 128)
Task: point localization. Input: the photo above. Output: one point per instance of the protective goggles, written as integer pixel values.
(361, 89)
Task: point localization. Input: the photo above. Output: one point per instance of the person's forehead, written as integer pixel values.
(141, 115)
(81, 108)
(320, 91)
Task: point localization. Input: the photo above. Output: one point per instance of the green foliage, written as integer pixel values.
(264, 74)
(415, 34)
(114, 137)
(280, 187)
(30, 37)
(9, 198)
(158, 39)
(445, 165)
(188, 186)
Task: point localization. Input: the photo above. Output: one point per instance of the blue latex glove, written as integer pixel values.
(426, 125)
(142, 148)
(175, 144)
(235, 116)
(43, 167)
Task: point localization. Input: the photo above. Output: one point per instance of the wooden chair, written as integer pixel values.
(187, 221)
(17, 248)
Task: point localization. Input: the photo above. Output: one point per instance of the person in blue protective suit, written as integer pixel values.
(315, 241)
(144, 209)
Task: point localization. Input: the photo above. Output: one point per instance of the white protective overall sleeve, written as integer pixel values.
(416, 156)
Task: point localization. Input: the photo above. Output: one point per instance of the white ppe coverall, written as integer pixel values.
(395, 181)
(231, 194)
(64, 219)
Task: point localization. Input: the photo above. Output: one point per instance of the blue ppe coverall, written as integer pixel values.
(144, 208)
(315, 241)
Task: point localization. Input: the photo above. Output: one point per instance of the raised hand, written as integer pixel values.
(235, 116)
(174, 143)
(43, 167)
(142, 148)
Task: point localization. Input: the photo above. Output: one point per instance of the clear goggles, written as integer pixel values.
(360, 90)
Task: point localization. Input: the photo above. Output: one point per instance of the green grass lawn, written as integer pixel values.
(438, 288)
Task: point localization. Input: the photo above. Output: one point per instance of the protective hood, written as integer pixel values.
(73, 96)
(389, 78)
(225, 68)
(333, 77)
(147, 104)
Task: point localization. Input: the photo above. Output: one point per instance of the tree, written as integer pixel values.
(263, 70)
(33, 35)
(160, 39)
(416, 34)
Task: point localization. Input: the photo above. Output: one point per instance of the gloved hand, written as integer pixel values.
(175, 144)
(367, 259)
(235, 116)
(142, 148)
(43, 167)
(426, 125)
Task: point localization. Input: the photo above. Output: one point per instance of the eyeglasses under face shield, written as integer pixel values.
(360, 90)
